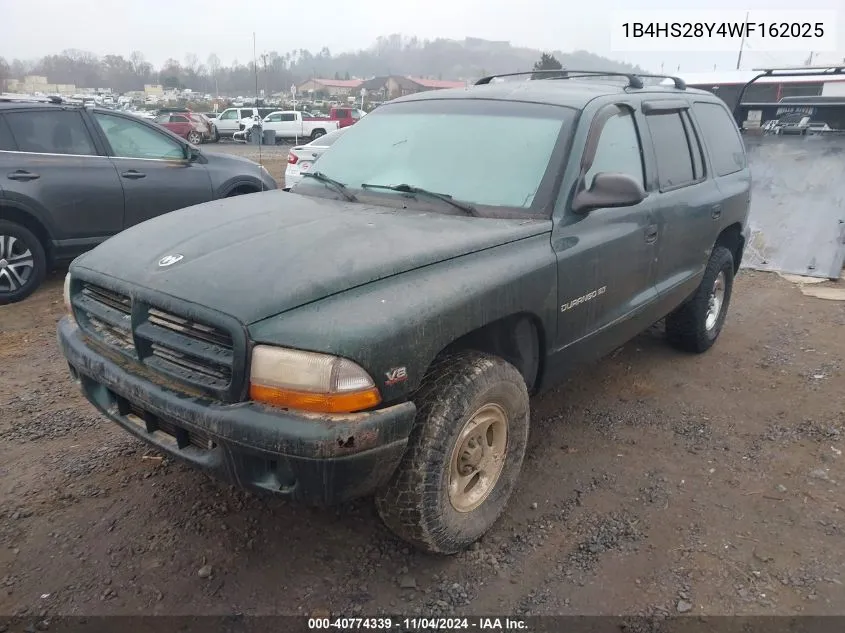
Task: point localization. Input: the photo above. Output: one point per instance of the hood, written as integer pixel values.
(257, 255)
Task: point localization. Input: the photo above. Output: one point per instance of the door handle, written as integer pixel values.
(651, 233)
(133, 175)
(20, 174)
(716, 211)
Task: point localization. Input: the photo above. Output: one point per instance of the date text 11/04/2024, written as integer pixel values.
(796, 30)
(494, 624)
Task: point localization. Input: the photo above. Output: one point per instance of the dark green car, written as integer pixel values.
(379, 329)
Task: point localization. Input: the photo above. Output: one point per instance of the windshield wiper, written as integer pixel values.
(404, 188)
(336, 184)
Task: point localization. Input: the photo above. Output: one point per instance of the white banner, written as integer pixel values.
(722, 31)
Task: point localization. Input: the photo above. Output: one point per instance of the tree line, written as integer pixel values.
(273, 71)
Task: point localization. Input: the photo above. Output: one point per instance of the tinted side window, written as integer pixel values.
(133, 139)
(721, 137)
(618, 149)
(51, 132)
(674, 160)
(288, 116)
(7, 142)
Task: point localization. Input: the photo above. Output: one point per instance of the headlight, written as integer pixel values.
(309, 381)
(66, 295)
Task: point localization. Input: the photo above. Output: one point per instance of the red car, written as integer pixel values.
(345, 116)
(188, 125)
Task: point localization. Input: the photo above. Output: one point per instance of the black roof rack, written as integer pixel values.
(789, 71)
(634, 79)
(30, 99)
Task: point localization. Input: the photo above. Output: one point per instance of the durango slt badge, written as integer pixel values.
(169, 260)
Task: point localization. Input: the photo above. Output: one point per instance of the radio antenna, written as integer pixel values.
(260, 128)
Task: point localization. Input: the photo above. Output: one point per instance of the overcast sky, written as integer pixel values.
(168, 28)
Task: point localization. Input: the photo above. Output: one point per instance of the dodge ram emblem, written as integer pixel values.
(169, 260)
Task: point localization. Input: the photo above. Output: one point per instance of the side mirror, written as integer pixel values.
(609, 189)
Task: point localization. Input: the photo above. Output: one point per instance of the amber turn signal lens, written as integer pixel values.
(348, 402)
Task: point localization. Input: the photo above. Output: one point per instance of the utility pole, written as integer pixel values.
(742, 43)
(264, 59)
(255, 65)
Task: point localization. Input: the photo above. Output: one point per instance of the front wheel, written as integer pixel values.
(464, 454)
(23, 263)
(696, 325)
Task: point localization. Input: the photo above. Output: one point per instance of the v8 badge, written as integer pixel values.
(396, 375)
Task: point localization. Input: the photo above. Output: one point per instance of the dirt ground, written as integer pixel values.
(655, 483)
(274, 158)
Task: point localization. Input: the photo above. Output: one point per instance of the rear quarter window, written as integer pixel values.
(721, 137)
(51, 131)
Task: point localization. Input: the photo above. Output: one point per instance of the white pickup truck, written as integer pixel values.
(291, 124)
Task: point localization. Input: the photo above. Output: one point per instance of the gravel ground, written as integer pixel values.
(655, 483)
(273, 157)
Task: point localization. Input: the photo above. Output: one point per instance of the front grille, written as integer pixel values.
(178, 346)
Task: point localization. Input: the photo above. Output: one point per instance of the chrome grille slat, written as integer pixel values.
(186, 362)
(114, 300)
(112, 335)
(190, 328)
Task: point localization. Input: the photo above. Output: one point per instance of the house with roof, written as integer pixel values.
(330, 87)
(394, 86)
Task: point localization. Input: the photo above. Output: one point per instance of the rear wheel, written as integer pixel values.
(696, 325)
(317, 134)
(194, 137)
(23, 263)
(464, 454)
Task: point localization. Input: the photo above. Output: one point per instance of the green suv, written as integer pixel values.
(380, 328)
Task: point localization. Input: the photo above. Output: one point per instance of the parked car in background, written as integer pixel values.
(233, 120)
(302, 157)
(70, 177)
(189, 126)
(212, 127)
(345, 116)
(291, 124)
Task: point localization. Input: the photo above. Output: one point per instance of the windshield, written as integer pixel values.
(492, 153)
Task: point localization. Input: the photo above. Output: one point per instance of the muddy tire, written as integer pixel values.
(464, 454)
(23, 262)
(696, 325)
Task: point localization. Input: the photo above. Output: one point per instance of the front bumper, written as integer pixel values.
(313, 458)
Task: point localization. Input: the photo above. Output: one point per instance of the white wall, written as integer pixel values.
(833, 89)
